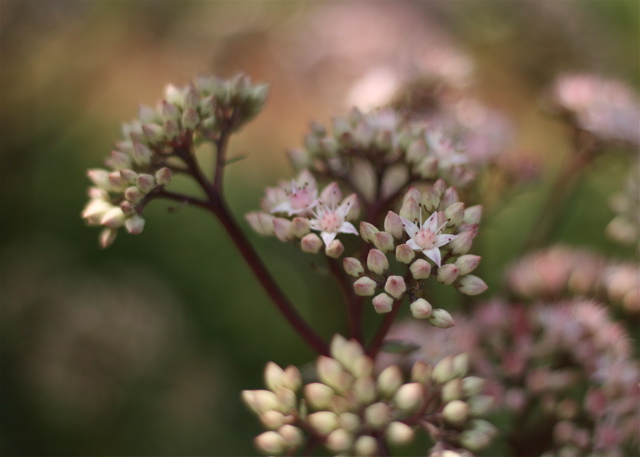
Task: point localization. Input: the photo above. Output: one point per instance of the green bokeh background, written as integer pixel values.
(71, 71)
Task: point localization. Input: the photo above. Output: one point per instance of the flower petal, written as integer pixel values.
(441, 240)
(413, 245)
(431, 224)
(409, 227)
(433, 254)
(284, 207)
(347, 227)
(328, 237)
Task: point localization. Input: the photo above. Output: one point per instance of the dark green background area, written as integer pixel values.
(71, 71)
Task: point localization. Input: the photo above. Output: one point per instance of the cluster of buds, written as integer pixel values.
(293, 210)
(433, 245)
(625, 226)
(354, 412)
(153, 146)
(562, 271)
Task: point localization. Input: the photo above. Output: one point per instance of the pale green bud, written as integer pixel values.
(349, 421)
(461, 364)
(382, 303)
(420, 269)
(393, 225)
(119, 160)
(440, 188)
(207, 106)
(153, 132)
(410, 209)
(441, 318)
(141, 153)
(338, 343)
(428, 167)
(282, 229)
(299, 158)
(456, 412)
(452, 390)
(260, 401)
(365, 286)
(447, 273)
(368, 232)
(395, 286)
(480, 404)
(116, 181)
(462, 243)
(362, 367)
(404, 254)
(399, 433)
(431, 199)
(365, 389)
(95, 210)
(262, 223)
(454, 214)
(324, 422)
(318, 395)
(273, 419)
(163, 176)
(383, 241)
(389, 380)
(169, 111)
(421, 372)
(377, 415)
(146, 182)
(416, 151)
(339, 440)
(421, 309)
(377, 262)
(286, 399)
(412, 192)
(471, 285)
(467, 263)
(473, 215)
(129, 175)
(273, 376)
(311, 243)
(300, 226)
(443, 372)
(352, 266)
(270, 443)
(474, 440)
(335, 249)
(366, 446)
(292, 378)
(113, 218)
(483, 426)
(171, 129)
(450, 198)
(134, 224)
(190, 119)
(472, 385)
(409, 397)
(292, 435)
(331, 372)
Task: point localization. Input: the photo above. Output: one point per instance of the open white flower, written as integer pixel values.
(301, 196)
(426, 237)
(330, 220)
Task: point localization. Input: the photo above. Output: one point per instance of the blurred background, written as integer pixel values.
(143, 349)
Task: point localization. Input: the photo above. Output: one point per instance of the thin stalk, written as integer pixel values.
(351, 300)
(376, 343)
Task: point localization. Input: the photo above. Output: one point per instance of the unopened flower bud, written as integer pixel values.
(416, 151)
(335, 249)
(365, 286)
(339, 440)
(311, 243)
(404, 254)
(324, 422)
(300, 226)
(472, 385)
(389, 380)
(462, 243)
(169, 111)
(456, 412)
(270, 442)
(119, 160)
(480, 404)
(440, 187)
(474, 440)
(420, 269)
(282, 229)
(395, 286)
(113, 218)
(292, 435)
(399, 433)
(153, 132)
(450, 197)
(330, 372)
(383, 241)
(134, 224)
(331, 195)
(368, 232)
(382, 303)
(260, 400)
(377, 415)
(443, 372)
(447, 273)
(349, 421)
(366, 446)
(472, 215)
(273, 419)
(471, 285)
(431, 199)
(467, 263)
(141, 153)
(190, 119)
(454, 214)
(365, 389)
(352, 266)
(273, 376)
(410, 209)
(461, 364)
(377, 262)
(441, 318)
(262, 223)
(452, 390)
(129, 175)
(171, 129)
(428, 167)
(145, 182)
(409, 397)
(100, 178)
(421, 309)
(163, 176)
(421, 372)
(393, 225)
(128, 207)
(318, 395)
(107, 237)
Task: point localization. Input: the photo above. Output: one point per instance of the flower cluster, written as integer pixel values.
(351, 411)
(433, 245)
(292, 210)
(158, 144)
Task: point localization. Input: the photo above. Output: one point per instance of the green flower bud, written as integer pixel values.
(456, 412)
(416, 151)
(441, 318)
(404, 254)
(292, 435)
(461, 364)
(480, 404)
(409, 397)
(443, 372)
(273, 376)
(472, 385)
(471, 285)
(190, 119)
(389, 380)
(399, 433)
(171, 129)
(474, 440)
(324, 422)
(352, 266)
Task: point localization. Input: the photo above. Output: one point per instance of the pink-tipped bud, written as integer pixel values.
(456, 412)
(440, 187)
(318, 395)
(412, 192)
(378, 415)
(395, 286)
(145, 182)
(262, 223)
(191, 98)
(331, 195)
(410, 209)
(128, 208)
(107, 237)
(163, 176)
(421, 372)
(421, 309)
(100, 178)
(300, 226)
(382, 303)
(134, 224)
(119, 160)
(428, 167)
(409, 397)
(292, 435)
(420, 269)
(113, 218)
(471, 285)
(282, 229)
(454, 214)
(393, 225)
(399, 433)
(430, 199)
(364, 389)
(273, 419)
(441, 318)
(377, 261)
(141, 153)
(473, 215)
(335, 249)
(171, 129)
(443, 372)
(270, 443)
(190, 119)
(463, 242)
(368, 232)
(311, 243)
(467, 263)
(153, 132)
(383, 241)
(129, 175)
(365, 286)
(352, 266)
(324, 422)
(169, 111)
(447, 273)
(404, 254)
(450, 197)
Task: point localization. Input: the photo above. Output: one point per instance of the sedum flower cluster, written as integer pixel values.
(349, 408)
(159, 143)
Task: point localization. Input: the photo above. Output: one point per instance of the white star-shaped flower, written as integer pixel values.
(330, 220)
(301, 196)
(426, 237)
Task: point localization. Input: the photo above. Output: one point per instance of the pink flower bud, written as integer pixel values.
(153, 132)
(447, 273)
(393, 225)
(440, 188)
(282, 229)
(383, 241)
(100, 178)
(146, 183)
(331, 195)
(300, 226)
(368, 232)
(441, 318)
(262, 223)
(134, 224)
(472, 215)
(318, 395)
(404, 254)
(454, 214)
(141, 153)
(377, 262)
(119, 160)
(169, 111)
(431, 199)
(395, 286)
(171, 129)
(412, 192)
(420, 269)
(352, 266)
(113, 218)
(382, 303)
(311, 243)
(129, 175)
(471, 285)
(410, 209)
(335, 249)
(191, 98)
(463, 242)
(365, 286)
(421, 372)
(127, 207)
(163, 176)
(133, 194)
(450, 197)
(421, 309)
(107, 237)
(467, 263)
(190, 119)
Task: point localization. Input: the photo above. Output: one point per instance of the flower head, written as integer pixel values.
(330, 220)
(299, 197)
(426, 237)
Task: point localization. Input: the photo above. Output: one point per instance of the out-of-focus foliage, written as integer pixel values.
(143, 349)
